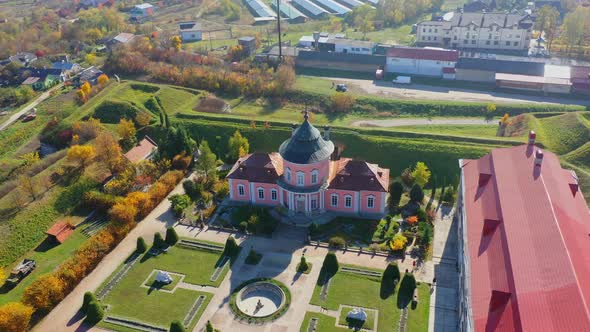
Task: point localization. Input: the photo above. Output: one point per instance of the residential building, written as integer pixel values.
(523, 228)
(89, 75)
(490, 31)
(146, 149)
(190, 31)
(42, 79)
(141, 12)
(352, 46)
(306, 177)
(24, 59)
(60, 231)
(420, 61)
(248, 44)
(69, 69)
(121, 39)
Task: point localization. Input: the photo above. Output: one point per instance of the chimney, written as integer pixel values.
(532, 137)
(293, 128)
(327, 133)
(538, 157)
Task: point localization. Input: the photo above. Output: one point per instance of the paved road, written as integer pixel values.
(420, 122)
(29, 107)
(430, 92)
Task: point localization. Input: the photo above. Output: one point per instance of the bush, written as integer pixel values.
(393, 229)
(141, 246)
(449, 195)
(330, 266)
(193, 189)
(303, 266)
(94, 313)
(425, 232)
(341, 103)
(145, 87)
(179, 204)
(231, 247)
(171, 236)
(421, 214)
(88, 298)
(99, 201)
(159, 242)
(113, 111)
(243, 226)
(176, 326)
(416, 194)
(337, 242)
(395, 194)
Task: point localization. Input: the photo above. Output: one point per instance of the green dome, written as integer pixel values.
(306, 145)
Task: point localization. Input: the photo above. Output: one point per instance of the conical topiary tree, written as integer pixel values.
(330, 265)
(141, 246)
(416, 194)
(88, 297)
(94, 313)
(176, 326)
(391, 274)
(209, 327)
(159, 241)
(231, 247)
(303, 266)
(171, 236)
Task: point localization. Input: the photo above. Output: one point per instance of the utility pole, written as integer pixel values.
(279, 28)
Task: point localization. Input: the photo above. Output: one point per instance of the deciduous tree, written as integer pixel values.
(207, 162)
(126, 130)
(15, 317)
(28, 185)
(103, 79)
(416, 194)
(44, 293)
(398, 242)
(81, 155)
(421, 174)
(90, 59)
(176, 43)
(109, 153)
(341, 102)
(238, 146)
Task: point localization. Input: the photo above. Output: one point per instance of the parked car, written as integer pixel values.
(29, 117)
(341, 88)
(22, 270)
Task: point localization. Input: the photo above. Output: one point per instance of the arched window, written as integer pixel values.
(274, 194)
(300, 179)
(241, 190)
(288, 175)
(334, 199)
(348, 201)
(314, 176)
(260, 193)
(371, 201)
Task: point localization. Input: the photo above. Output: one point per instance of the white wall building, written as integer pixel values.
(494, 31)
(421, 61)
(190, 31)
(351, 46)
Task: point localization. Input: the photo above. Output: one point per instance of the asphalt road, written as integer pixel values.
(440, 93)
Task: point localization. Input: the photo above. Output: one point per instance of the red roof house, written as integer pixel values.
(60, 231)
(524, 243)
(146, 149)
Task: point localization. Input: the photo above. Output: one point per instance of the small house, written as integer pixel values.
(60, 231)
(145, 150)
(141, 12)
(89, 75)
(121, 39)
(69, 69)
(190, 31)
(42, 79)
(248, 44)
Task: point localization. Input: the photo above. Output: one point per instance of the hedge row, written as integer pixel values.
(395, 153)
(440, 108)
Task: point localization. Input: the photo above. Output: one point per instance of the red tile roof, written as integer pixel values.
(423, 53)
(61, 230)
(142, 151)
(528, 239)
(258, 167)
(349, 174)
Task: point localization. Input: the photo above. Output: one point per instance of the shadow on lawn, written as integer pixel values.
(406, 291)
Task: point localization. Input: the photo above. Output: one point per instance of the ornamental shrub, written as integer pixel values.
(395, 194)
(94, 312)
(171, 236)
(303, 266)
(176, 326)
(416, 194)
(330, 265)
(391, 274)
(88, 297)
(159, 242)
(313, 229)
(231, 247)
(449, 195)
(141, 246)
(337, 242)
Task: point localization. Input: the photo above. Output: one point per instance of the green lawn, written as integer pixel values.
(418, 317)
(151, 282)
(562, 133)
(368, 324)
(128, 299)
(455, 130)
(325, 323)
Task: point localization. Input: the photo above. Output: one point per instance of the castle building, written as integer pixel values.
(306, 177)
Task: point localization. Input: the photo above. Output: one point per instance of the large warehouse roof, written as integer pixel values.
(259, 8)
(333, 7)
(310, 8)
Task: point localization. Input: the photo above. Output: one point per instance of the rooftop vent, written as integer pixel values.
(327, 133)
(538, 157)
(532, 137)
(484, 178)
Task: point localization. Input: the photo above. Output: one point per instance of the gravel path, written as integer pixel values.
(14, 117)
(420, 122)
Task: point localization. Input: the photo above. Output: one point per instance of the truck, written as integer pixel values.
(22, 270)
(402, 80)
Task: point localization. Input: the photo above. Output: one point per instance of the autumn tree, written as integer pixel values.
(108, 152)
(143, 119)
(238, 146)
(87, 130)
(398, 242)
(123, 214)
(44, 293)
(207, 162)
(15, 317)
(28, 185)
(285, 78)
(81, 96)
(86, 88)
(176, 43)
(547, 22)
(126, 130)
(421, 174)
(341, 102)
(103, 79)
(29, 159)
(90, 59)
(81, 155)
(576, 27)
(363, 18)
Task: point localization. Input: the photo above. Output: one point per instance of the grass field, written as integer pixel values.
(325, 323)
(356, 290)
(368, 324)
(130, 300)
(562, 133)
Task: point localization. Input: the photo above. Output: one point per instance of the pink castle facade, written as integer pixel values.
(305, 177)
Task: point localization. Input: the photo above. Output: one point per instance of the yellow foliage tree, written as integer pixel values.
(81, 155)
(123, 213)
(30, 158)
(126, 131)
(109, 153)
(86, 88)
(81, 96)
(398, 242)
(44, 293)
(15, 317)
(176, 42)
(421, 174)
(102, 79)
(90, 58)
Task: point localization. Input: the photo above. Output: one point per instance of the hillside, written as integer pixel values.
(561, 133)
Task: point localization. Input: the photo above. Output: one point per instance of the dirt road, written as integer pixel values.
(430, 92)
(420, 122)
(14, 117)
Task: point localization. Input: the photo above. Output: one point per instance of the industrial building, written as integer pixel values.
(289, 12)
(260, 10)
(420, 61)
(333, 7)
(309, 8)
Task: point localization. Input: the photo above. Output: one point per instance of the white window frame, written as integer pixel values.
(300, 176)
(241, 190)
(347, 199)
(314, 176)
(288, 175)
(274, 194)
(371, 202)
(314, 203)
(260, 193)
(332, 198)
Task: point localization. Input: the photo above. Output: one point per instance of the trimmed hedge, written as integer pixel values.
(145, 87)
(113, 111)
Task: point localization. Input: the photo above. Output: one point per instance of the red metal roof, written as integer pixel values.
(423, 53)
(258, 167)
(142, 151)
(528, 239)
(61, 230)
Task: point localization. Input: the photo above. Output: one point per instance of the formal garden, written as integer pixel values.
(160, 285)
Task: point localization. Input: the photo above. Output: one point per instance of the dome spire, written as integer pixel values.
(305, 115)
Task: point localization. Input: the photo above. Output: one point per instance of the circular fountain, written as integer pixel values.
(261, 299)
